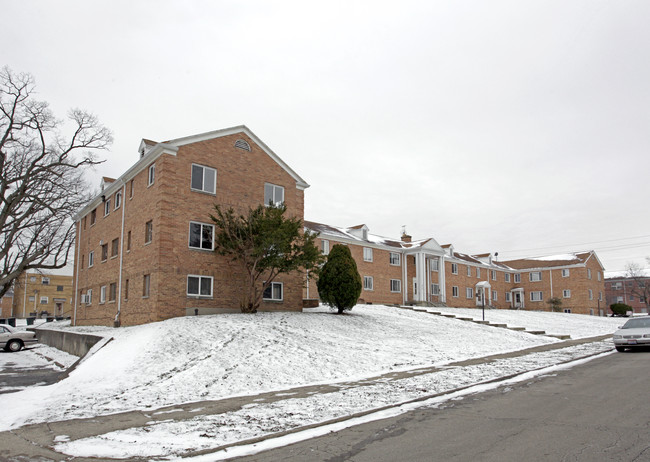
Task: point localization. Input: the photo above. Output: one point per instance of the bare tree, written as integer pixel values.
(41, 178)
(640, 282)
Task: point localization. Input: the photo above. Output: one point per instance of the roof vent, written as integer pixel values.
(243, 144)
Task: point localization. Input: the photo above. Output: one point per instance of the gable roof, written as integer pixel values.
(550, 261)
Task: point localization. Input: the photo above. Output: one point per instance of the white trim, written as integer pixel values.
(200, 278)
(189, 235)
(272, 299)
(204, 167)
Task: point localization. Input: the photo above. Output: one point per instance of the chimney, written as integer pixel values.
(406, 237)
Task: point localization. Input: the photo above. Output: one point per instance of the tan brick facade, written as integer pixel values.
(161, 213)
(38, 294)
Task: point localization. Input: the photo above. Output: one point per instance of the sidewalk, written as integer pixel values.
(207, 426)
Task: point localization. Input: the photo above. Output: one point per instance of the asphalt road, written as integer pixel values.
(15, 374)
(599, 411)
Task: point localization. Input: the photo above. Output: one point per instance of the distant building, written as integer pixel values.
(6, 305)
(621, 289)
(40, 294)
(424, 272)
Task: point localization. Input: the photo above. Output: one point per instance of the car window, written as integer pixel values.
(3, 330)
(636, 323)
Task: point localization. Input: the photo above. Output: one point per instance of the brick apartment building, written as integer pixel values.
(6, 305)
(37, 294)
(622, 289)
(145, 243)
(406, 271)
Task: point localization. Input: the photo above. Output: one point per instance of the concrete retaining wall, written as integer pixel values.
(71, 342)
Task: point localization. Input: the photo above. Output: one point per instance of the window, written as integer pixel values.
(45, 281)
(588, 273)
(469, 270)
(115, 247)
(478, 272)
(507, 277)
(454, 268)
(567, 310)
(394, 258)
(32, 279)
(131, 189)
(508, 297)
(325, 246)
(59, 288)
(599, 275)
(273, 194)
(102, 294)
(454, 291)
(517, 277)
(566, 293)
(395, 285)
(201, 236)
(619, 299)
(591, 295)
(32, 298)
(118, 199)
(93, 217)
(435, 289)
(469, 292)
(107, 207)
(274, 292)
(565, 273)
(367, 283)
(152, 174)
(367, 254)
(148, 232)
(494, 295)
(89, 297)
(44, 300)
(146, 283)
(617, 285)
(126, 289)
(112, 292)
(535, 276)
(104, 252)
(199, 286)
(91, 259)
(494, 275)
(128, 241)
(435, 264)
(536, 296)
(204, 179)
(600, 297)
(84, 223)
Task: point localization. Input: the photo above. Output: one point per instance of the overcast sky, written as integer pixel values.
(518, 127)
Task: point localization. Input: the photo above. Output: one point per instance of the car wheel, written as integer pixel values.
(14, 345)
(621, 349)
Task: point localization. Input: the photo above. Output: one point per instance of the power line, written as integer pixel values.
(576, 245)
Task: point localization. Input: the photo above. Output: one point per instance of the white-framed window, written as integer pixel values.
(148, 232)
(31, 298)
(32, 279)
(45, 300)
(367, 254)
(367, 283)
(275, 292)
(591, 295)
(566, 273)
(478, 272)
(395, 285)
(91, 259)
(102, 294)
(599, 275)
(152, 175)
(146, 285)
(517, 277)
(494, 275)
(507, 277)
(204, 179)
(469, 292)
(494, 295)
(600, 297)
(535, 276)
(435, 264)
(118, 199)
(325, 247)
(89, 297)
(394, 258)
(566, 293)
(107, 207)
(567, 310)
(536, 296)
(454, 268)
(273, 194)
(435, 289)
(619, 299)
(45, 281)
(508, 297)
(469, 270)
(588, 273)
(199, 286)
(201, 236)
(454, 291)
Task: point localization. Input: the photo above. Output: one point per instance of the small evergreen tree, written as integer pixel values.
(620, 309)
(339, 282)
(556, 303)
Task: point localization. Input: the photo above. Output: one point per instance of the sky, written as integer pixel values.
(498, 126)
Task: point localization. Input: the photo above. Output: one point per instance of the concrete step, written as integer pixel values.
(559, 336)
(517, 328)
(536, 332)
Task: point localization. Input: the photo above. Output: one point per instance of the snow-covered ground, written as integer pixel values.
(211, 357)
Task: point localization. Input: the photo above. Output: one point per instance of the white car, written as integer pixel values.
(13, 340)
(634, 333)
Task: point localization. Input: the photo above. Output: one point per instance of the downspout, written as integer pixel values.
(25, 297)
(76, 280)
(119, 283)
(404, 276)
